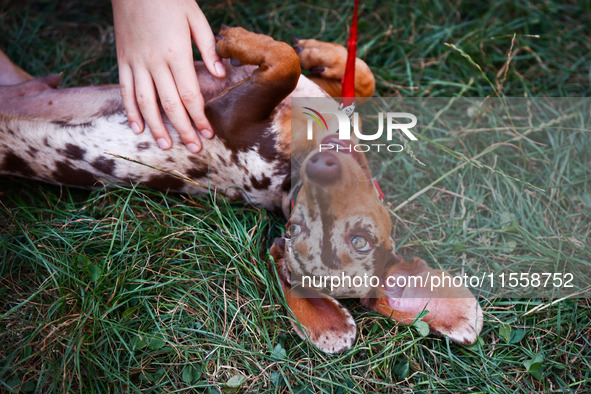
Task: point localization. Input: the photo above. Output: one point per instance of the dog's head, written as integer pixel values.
(338, 224)
(340, 227)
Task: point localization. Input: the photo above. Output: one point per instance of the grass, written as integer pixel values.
(131, 290)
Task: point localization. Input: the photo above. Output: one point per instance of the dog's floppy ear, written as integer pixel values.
(453, 310)
(326, 323)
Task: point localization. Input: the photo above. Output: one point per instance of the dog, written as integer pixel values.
(80, 137)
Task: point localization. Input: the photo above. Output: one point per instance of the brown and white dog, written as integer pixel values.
(72, 137)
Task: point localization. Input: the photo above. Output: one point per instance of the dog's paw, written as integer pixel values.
(324, 59)
(244, 47)
(227, 39)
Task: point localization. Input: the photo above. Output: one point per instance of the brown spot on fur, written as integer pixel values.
(143, 146)
(73, 152)
(68, 175)
(328, 253)
(284, 172)
(104, 165)
(197, 172)
(164, 182)
(67, 125)
(223, 161)
(200, 170)
(263, 184)
(15, 164)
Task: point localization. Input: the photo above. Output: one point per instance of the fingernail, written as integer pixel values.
(219, 69)
(136, 127)
(162, 143)
(206, 133)
(194, 148)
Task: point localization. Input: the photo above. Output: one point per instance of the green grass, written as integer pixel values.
(132, 290)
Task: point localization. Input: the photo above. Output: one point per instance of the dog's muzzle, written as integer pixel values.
(324, 168)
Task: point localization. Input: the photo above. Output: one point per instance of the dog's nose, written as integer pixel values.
(323, 167)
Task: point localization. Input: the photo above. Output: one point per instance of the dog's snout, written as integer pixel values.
(323, 167)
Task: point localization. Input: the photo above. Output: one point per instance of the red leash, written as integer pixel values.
(348, 82)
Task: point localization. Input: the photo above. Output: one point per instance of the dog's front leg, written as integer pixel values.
(243, 114)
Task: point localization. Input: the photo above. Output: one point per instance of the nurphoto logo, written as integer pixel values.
(391, 120)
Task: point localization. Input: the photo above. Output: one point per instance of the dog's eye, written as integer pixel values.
(360, 244)
(294, 229)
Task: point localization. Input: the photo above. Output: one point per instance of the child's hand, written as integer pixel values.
(156, 60)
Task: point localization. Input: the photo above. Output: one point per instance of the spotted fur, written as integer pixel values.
(88, 152)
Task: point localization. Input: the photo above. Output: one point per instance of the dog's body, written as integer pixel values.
(75, 149)
(65, 136)
(74, 137)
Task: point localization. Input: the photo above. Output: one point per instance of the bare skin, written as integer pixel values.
(156, 61)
